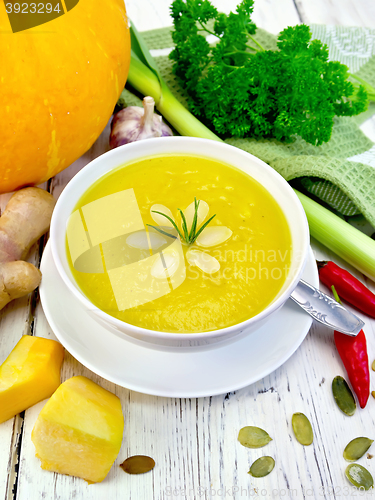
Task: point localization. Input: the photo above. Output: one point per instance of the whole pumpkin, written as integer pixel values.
(59, 83)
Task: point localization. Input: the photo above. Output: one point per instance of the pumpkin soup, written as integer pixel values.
(179, 243)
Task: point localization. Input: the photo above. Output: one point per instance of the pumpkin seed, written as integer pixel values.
(138, 464)
(373, 394)
(262, 467)
(359, 476)
(373, 365)
(357, 448)
(343, 396)
(253, 437)
(302, 429)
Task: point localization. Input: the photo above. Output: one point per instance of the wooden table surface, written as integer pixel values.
(194, 441)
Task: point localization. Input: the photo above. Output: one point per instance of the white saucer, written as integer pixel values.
(160, 371)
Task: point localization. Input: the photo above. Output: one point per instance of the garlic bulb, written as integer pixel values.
(134, 124)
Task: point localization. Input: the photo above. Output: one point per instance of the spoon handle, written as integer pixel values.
(325, 309)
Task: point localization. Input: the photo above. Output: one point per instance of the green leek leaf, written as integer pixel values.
(140, 50)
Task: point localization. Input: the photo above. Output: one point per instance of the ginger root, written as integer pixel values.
(25, 219)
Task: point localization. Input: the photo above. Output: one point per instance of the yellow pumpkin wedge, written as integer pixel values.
(79, 430)
(59, 83)
(30, 374)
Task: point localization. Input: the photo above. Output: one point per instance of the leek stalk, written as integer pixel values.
(346, 241)
(147, 83)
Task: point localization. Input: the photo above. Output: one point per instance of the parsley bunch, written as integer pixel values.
(240, 89)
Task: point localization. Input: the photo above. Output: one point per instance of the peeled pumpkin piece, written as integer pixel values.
(79, 430)
(30, 374)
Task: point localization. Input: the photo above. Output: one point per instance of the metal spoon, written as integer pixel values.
(326, 310)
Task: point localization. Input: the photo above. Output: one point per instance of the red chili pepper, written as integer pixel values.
(348, 287)
(353, 352)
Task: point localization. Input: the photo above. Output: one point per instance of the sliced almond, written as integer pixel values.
(165, 265)
(160, 219)
(212, 236)
(139, 240)
(157, 240)
(203, 209)
(203, 261)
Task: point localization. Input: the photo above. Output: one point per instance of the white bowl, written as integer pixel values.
(257, 169)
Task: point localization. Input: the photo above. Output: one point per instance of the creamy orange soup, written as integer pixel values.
(254, 260)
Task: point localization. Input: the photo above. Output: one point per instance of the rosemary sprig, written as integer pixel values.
(186, 237)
